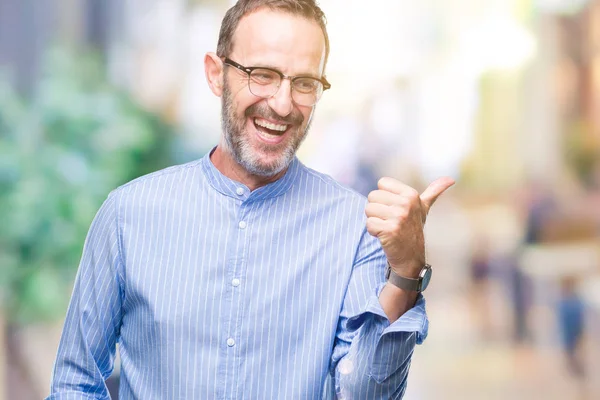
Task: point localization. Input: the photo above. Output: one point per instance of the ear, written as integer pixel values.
(213, 68)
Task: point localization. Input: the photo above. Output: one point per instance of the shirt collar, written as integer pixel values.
(238, 190)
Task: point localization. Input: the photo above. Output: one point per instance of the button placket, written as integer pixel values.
(235, 339)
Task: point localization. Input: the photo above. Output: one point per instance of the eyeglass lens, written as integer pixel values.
(265, 83)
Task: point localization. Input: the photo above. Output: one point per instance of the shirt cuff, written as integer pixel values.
(392, 344)
(414, 320)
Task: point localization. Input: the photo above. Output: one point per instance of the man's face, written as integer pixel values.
(262, 135)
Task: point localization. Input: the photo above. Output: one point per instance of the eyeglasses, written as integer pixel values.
(265, 82)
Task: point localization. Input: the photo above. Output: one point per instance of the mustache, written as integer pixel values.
(264, 111)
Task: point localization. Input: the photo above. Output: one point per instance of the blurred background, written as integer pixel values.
(503, 95)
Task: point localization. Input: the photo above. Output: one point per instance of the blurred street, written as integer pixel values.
(471, 351)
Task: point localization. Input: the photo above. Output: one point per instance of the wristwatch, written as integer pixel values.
(415, 284)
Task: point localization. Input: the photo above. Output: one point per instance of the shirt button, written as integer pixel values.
(242, 225)
(230, 342)
(239, 191)
(235, 282)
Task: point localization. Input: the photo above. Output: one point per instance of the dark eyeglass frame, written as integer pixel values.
(282, 76)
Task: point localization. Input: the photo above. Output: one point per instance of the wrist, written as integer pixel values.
(416, 284)
(396, 301)
(407, 269)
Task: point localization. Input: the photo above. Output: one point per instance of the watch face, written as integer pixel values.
(426, 277)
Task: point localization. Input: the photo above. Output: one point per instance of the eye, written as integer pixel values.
(306, 85)
(264, 76)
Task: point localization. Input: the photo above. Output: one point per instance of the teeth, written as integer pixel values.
(268, 135)
(268, 125)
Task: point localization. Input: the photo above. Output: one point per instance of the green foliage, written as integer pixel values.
(61, 153)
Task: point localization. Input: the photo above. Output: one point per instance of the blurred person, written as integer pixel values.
(480, 273)
(570, 316)
(519, 287)
(368, 162)
(246, 274)
(538, 206)
(365, 178)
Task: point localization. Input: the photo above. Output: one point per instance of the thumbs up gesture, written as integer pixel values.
(396, 215)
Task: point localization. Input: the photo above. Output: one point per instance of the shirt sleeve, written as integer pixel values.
(87, 347)
(371, 357)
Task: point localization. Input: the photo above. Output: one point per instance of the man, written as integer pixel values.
(246, 275)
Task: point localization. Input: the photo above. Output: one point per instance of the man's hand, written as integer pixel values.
(396, 214)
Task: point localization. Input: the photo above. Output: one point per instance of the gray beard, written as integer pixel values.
(241, 149)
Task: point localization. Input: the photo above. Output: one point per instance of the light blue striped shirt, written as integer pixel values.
(216, 292)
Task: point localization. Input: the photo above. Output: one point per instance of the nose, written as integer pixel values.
(281, 102)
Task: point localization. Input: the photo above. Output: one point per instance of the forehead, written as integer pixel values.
(279, 39)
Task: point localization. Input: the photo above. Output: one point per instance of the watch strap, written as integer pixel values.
(413, 284)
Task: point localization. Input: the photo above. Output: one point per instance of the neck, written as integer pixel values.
(226, 165)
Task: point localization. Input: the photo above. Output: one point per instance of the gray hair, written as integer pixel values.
(304, 8)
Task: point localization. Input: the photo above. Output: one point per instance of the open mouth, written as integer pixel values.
(270, 131)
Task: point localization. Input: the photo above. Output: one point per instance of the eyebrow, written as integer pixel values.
(302, 75)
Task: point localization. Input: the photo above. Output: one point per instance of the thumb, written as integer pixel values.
(434, 190)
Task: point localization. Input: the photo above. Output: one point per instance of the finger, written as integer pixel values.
(375, 226)
(383, 212)
(395, 186)
(434, 190)
(383, 197)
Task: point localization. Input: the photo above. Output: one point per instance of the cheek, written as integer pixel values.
(242, 102)
(307, 113)
(240, 90)
(240, 98)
